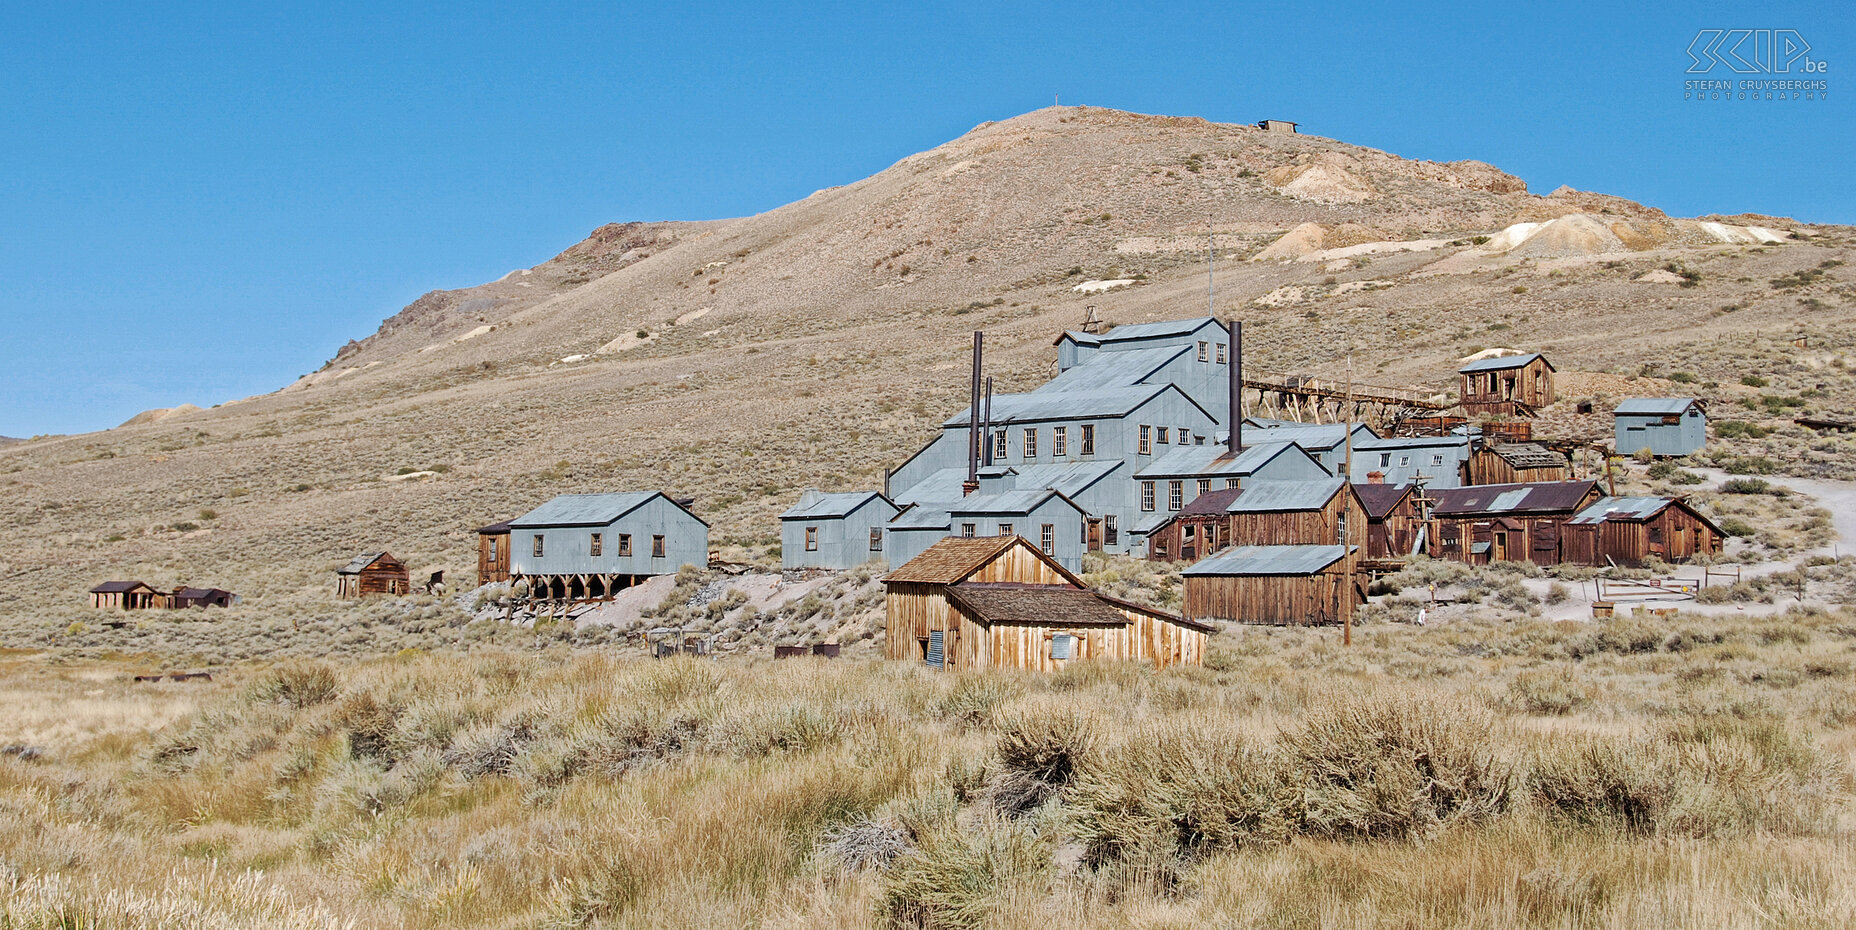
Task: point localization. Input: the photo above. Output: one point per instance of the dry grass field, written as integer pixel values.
(408, 762)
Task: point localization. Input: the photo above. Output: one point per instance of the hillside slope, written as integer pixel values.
(738, 361)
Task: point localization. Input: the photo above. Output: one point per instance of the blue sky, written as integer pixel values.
(200, 201)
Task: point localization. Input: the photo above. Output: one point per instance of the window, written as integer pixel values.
(1089, 438)
(1031, 443)
(998, 444)
(1175, 494)
(1147, 496)
(657, 547)
(1047, 538)
(495, 547)
(1163, 431)
(1185, 435)
(811, 539)
(876, 539)
(625, 545)
(1147, 440)
(1404, 460)
(1059, 441)
(596, 545)
(1005, 529)
(969, 530)
(538, 545)
(1189, 531)
(1437, 459)
(1220, 353)
(1204, 351)
(1232, 483)
(1205, 485)
(1385, 459)
(1111, 530)
(1062, 645)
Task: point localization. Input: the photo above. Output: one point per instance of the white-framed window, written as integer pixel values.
(1385, 460)
(1005, 529)
(969, 529)
(1047, 538)
(625, 545)
(1204, 351)
(1175, 494)
(1059, 441)
(1437, 459)
(1147, 439)
(1205, 485)
(1233, 483)
(1185, 435)
(1147, 496)
(595, 545)
(1031, 442)
(1220, 353)
(811, 539)
(1404, 460)
(998, 444)
(540, 546)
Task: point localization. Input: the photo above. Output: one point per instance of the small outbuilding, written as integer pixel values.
(834, 530)
(184, 597)
(1197, 530)
(1667, 426)
(1283, 585)
(1277, 125)
(998, 602)
(1506, 522)
(589, 547)
(1507, 385)
(372, 573)
(1630, 530)
(493, 553)
(1499, 462)
(125, 595)
(1394, 520)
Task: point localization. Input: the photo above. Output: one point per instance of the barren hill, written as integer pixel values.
(738, 361)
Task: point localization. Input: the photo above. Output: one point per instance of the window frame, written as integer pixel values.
(1147, 497)
(1160, 435)
(1030, 440)
(540, 546)
(1111, 530)
(1088, 439)
(625, 545)
(969, 530)
(1175, 493)
(595, 545)
(1005, 529)
(1221, 353)
(1146, 444)
(1047, 538)
(1059, 441)
(999, 445)
(811, 539)
(657, 546)
(1204, 351)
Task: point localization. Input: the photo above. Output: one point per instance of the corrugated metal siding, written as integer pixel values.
(566, 549)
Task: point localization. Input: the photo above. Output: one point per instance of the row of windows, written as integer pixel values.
(1205, 351)
(1176, 492)
(596, 545)
(1151, 435)
(876, 539)
(1059, 441)
(1047, 534)
(1404, 461)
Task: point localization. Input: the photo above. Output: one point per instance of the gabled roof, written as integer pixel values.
(1502, 363)
(1104, 370)
(1635, 510)
(1070, 405)
(118, 587)
(919, 517)
(1061, 605)
(590, 509)
(1006, 503)
(1656, 406)
(1210, 461)
(1269, 560)
(1133, 331)
(951, 560)
(1381, 499)
(1531, 497)
(1527, 454)
(825, 506)
(1285, 496)
(493, 529)
(193, 594)
(1211, 503)
(1319, 436)
(359, 563)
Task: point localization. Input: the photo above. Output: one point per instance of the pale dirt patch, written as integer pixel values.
(694, 315)
(1097, 287)
(627, 341)
(1659, 276)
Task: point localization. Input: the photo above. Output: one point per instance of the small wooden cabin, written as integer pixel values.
(998, 602)
(1393, 519)
(1629, 530)
(1506, 522)
(372, 573)
(1517, 463)
(184, 597)
(1667, 426)
(126, 595)
(1296, 513)
(493, 553)
(1507, 385)
(1197, 530)
(1295, 585)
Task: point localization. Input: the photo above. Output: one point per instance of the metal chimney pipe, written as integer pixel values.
(986, 435)
(1235, 435)
(973, 422)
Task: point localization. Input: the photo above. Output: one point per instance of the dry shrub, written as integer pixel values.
(1395, 767)
(976, 699)
(298, 684)
(955, 879)
(1555, 692)
(1040, 752)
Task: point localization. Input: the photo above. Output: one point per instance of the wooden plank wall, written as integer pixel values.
(1285, 599)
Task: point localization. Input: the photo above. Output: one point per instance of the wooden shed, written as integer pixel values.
(1507, 385)
(493, 553)
(1517, 462)
(1628, 530)
(372, 573)
(1394, 519)
(1197, 530)
(1295, 585)
(184, 597)
(126, 595)
(998, 602)
(1506, 522)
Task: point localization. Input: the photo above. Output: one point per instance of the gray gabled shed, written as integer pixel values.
(835, 530)
(1664, 425)
(590, 546)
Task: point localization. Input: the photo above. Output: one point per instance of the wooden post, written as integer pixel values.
(1346, 594)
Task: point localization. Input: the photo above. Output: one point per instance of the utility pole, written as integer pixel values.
(1211, 268)
(1346, 594)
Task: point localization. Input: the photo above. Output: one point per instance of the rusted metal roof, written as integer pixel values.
(1044, 605)
(1381, 499)
(1269, 560)
(1211, 503)
(951, 559)
(1534, 497)
(1501, 363)
(360, 562)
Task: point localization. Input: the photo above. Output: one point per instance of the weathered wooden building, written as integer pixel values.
(372, 573)
(1630, 530)
(1667, 426)
(584, 547)
(1277, 125)
(835, 530)
(1295, 585)
(493, 553)
(1394, 520)
(1499, 462)
(126, 595)
(184, 597)
(1506, 522)
(998, 602)
(1197, 530)
(1507, 385)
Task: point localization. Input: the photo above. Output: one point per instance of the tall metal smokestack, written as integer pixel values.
(1235, 435)
(986, 434)
(973, 422)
